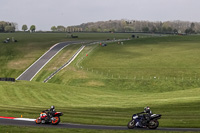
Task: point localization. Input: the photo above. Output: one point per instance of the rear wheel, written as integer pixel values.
(56, 120)
(131, 124)
(38, 120)
(153, 124)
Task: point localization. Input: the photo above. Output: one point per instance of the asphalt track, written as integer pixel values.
(82, 126)
(30, 72)
(42, 61)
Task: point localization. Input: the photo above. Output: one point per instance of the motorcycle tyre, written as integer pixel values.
(153, 127)
(131, 124)
(38, 121)
(57, 121)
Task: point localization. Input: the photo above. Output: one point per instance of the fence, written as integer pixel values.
(76, 54)
(110, 75)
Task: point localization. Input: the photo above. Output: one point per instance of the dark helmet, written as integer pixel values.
(147, 109)
(52, 107)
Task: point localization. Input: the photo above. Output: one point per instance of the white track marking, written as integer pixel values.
(24, 119)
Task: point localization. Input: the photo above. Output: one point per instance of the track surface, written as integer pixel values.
(30, 72)
(69, 125)
(42, 61)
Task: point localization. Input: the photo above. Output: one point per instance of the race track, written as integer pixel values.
(35, 68)
(82, 126)
(29, 73)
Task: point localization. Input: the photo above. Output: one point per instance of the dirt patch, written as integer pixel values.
(20, 64)
(95, 83)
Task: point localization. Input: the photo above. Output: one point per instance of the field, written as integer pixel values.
(16, 57)
(11, 129)
(111, 83)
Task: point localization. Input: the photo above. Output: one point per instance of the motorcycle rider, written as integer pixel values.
(146, 116)
(50, 112)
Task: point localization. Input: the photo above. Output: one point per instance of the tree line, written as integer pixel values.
(32, 28)
(7, 26)
(133, 26)
(11, 27)
(116, 26)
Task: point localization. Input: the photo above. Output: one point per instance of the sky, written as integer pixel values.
(47, 13)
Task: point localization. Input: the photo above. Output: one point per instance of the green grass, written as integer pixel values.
(16, 57)
(15, 129)
(98, 106)
(113, 82)
(150, 64)
(149, 59)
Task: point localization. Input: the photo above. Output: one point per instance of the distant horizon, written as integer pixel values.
(45, 14)
(20, 28)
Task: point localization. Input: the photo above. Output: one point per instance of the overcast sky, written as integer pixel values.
(46, 13)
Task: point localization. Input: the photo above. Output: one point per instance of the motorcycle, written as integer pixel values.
(53, 119)
(139, 121)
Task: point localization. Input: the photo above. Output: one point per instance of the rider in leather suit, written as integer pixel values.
(51, 111)
(146, 116)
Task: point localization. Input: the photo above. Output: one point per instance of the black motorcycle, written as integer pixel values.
(141, 122)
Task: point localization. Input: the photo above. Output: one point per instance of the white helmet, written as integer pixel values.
(147, 109)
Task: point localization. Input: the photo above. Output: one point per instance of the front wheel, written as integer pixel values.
(131, 124)
(153, 124)
(56, 120)
(38, 120)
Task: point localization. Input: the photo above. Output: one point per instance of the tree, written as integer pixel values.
(3, 24)
(128, 28)
(9, 28)
(130, 25)
(94, 29)
(24, 27)
(14, 25)
(189, 31)
(145, 29)
(175, 31)
(192, 26)
(61, 28)
(53, 28)
(1, 28)
(32, 28)
(153, 29)
(169, 29)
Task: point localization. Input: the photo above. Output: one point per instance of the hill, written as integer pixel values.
(16, 57)
(113, 82)
(157, 64)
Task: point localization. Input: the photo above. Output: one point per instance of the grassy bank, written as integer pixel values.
(11, 129)
(16, 57)
(113, 82)
(99, 106)
(145, 65)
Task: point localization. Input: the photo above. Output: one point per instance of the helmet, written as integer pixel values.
(52, 107)
(147, 109)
